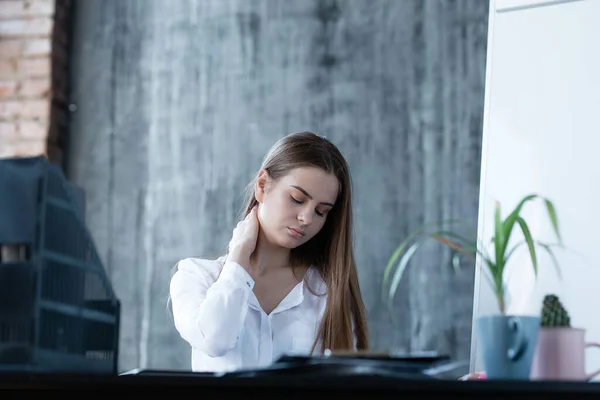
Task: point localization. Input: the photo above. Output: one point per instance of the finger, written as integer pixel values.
(468, 377)
(474, 376)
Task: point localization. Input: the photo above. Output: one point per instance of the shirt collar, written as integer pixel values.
(296, 296)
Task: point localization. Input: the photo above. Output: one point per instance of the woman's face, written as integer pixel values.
(294, 208)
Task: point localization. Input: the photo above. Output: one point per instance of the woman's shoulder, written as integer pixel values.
(202, 267)
(316, 281)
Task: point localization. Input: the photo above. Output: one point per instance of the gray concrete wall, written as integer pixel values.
(177, 101)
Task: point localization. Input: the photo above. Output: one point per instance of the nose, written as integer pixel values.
(304, 217)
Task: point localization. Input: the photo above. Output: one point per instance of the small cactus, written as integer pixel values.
(553, 313)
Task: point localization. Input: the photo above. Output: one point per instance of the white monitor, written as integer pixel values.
(541, 135)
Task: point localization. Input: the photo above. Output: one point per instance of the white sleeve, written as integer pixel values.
(209, 314)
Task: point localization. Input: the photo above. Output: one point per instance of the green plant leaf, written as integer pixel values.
(392, 261)
(469, 249)
(548, 249)
(503, 230)
(553, 219)
(399, 260)
(517, 210)
(509, 222)
(467, 244)
(497, 274)
(400, 270)
(498, 234)
(402, 246)
(490, 269)
(512, 250)
(529, 241)
(441, 237)
(493, 269)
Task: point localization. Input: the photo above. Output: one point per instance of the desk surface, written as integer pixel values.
(286, 386)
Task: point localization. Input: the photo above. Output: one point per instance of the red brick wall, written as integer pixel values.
(33, 77)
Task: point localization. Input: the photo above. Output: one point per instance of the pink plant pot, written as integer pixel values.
(560, 355)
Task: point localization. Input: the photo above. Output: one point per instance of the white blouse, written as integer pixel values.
(217, 313)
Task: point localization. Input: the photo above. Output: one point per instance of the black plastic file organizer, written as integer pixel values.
(58, 311)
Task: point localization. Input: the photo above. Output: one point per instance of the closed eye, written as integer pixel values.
(320, 214)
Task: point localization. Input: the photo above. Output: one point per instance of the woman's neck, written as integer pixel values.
(268, 256)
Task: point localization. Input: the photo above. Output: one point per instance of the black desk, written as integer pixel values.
(285, 387)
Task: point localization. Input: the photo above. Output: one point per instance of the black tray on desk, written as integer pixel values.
(399, 366)
(405, 366)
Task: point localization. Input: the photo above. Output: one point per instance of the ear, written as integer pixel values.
(259, 186)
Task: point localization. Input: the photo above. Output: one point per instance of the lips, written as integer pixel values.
(296, 232)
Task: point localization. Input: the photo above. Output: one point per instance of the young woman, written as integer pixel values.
(288, 283)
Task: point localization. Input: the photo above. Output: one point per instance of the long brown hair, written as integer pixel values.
(330, 251)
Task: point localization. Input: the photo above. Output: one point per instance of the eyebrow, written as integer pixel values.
(310, 197)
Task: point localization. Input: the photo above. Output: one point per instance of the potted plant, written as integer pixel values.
(560, 351)
(507, 341)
